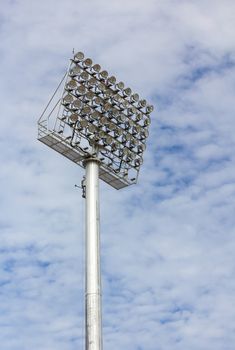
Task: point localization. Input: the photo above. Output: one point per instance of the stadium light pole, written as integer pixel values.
(93, 273)
(102, 126)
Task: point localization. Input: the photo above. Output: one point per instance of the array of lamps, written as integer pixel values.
(106, 113)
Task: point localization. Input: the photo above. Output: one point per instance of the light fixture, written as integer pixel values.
(127, 91)
(111, 80)
(92, 129)
(120, 85)
(87, 62)
(78, 57)
(101, 126)
(67, 99)
(71, 85)
(147, 122)
(135, 98)
(84, 75)
(73, 117)
(96, 68)
(86, 110)
(90, 95)
(83, 123)
(107, 114)
(141, 148)
(81, 90)
(77, 104)
(92, 82)
(103, 74)
(138, 162)
(74, 71)
(142, 103)
(149, 109)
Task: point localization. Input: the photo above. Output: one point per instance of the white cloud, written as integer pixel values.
(167, 243)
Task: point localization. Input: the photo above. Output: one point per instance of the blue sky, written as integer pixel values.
(168, 242)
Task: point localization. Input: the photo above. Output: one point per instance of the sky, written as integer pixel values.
(167, 243)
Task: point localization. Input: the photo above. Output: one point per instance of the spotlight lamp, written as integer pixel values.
(142, 103)
(96, 68)
(77, 104)
(73, 117)
(103, 75)
(92, 82)
(78, 57)
(120, 86)
(81, 90)
(135, 98)
(71, 85)
(107, 118)
(87, 62)
(127, 92)
(84, 76)
(68, 99)
(74, 71)
(111, 80)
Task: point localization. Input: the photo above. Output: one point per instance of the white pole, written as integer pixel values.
(93, 280)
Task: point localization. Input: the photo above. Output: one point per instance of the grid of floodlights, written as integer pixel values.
(107, 116)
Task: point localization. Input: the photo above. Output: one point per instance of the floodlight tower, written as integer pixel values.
(99, 124)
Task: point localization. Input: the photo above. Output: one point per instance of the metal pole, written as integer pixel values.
(93, 280)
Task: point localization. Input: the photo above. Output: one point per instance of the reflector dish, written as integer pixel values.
(108, 140)
(135, 97)
(121, 118)
(72, 84)
(104, 74)
(96, 68)
(77, 104)
(147, 122)
(83, 123)
(96, 115)
(138, 162)
(68, 99)
(88, 62)
(101, 87)
(91, 128)
(84, 75)
(111, 80)
(139, 116)
(101, 134)
(92, 82)
(111, 126)
(99, 101)
(74, 71)
(120, 85)
(114, 112)
(90, 95)
(79, 56)
(104, 121)
(86, 110)
(149, 109)
(141, 148)
(127, 91)
(74, 117)
(142, 103)
(117, 98)
(107, 107)
(81, 90)
(125, 103)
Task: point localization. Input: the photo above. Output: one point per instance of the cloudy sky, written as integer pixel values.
(168, 243)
